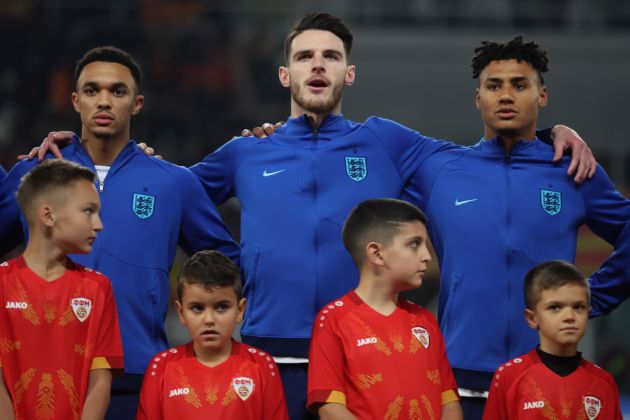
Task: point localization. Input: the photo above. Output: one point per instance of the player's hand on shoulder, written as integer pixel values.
(148, 150)
(583, 164)
(263, 131)
(52, 142)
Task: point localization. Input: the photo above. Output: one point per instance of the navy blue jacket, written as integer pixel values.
(296, 189)
(149, 206)
(493, 217)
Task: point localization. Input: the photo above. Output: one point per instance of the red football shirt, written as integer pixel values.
(379, 366)
(52, 334)
(245, 386)
(524, 388)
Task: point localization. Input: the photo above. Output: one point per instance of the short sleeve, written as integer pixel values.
(274, 403)
(150, 403)
(108, 348)
(496, 408)
(326, 365)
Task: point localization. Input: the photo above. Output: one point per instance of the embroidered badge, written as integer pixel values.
(81, 308)
(356, 168)
(243, 386)
(422, 335)
(592, 405)
(551, 201)
(143, 205)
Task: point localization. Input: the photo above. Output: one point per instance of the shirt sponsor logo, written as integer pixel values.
(16, 305)
(178, 391)
(422, 335)
(243, 386)
(528, 405)
(81, 308)
(592, 405)
(365, 341)
(272, 173)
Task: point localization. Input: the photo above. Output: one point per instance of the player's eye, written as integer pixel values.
(196, 308)
(222, 307)
(89, 90)
(120, 91)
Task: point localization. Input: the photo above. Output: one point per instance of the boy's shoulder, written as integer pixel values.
(513, 368)
(598, 372)
(339, 308)
(255, 356)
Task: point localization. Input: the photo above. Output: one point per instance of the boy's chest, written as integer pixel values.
(186, 389)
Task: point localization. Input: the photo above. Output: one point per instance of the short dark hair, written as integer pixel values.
(515, 49)
(50, 175)
(324, 22)
(551, 275)
(212, 270)
(376, 220)
(109, 54)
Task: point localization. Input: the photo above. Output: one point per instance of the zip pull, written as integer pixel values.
(507, 156)
(101, 184)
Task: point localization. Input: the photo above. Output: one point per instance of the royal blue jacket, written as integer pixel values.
(149, 206)
(296, 189)
(492, 217)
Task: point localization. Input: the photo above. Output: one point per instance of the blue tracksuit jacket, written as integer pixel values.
(492, 217)
(149, 206)
(296, 189)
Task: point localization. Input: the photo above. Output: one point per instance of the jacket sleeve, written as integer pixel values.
(607, 215)
(217, 170)
(201, 225)
(407, 148)
(11, 228)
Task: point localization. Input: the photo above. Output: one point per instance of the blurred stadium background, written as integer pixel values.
(211, 70)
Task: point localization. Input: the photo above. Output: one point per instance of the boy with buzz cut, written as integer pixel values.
(58, 323)
(374, 355)
(213, 376)
(553, 381)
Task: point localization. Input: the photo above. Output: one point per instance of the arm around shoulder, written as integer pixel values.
(97, 397)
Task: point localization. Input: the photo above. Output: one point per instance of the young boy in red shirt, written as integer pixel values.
(374, 355)
(213, 376)
(59, 334)
(553, 381)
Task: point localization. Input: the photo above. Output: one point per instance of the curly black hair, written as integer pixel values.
(515, 49)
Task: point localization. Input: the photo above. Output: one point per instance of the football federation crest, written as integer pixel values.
(143, 205)
(422, 335)
(592, 405)
(243, 386)
(81, 308)
(356, 168)
(551, 201)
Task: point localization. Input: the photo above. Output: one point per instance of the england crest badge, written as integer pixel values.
(243, 386)
(81, 308)
(592, 405)
(356, 168)
(143, 205)
(422, 335)
(551, 201)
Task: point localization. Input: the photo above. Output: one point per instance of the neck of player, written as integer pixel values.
(44, 258)
(104, 151)
(212, 357)
(377, 294)
(509, 138)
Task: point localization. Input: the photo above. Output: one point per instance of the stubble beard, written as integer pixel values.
(317, 106)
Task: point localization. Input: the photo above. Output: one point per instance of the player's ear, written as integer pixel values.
(180, 311)
(530, 317)
(374, 253)
(242, 304)
(46, 215)
(283, 75)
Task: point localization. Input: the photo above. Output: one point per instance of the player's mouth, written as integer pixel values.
(317, 84)
(91, 239)
(209, 334)
(103, 119)
(506, 113)
(570, 330)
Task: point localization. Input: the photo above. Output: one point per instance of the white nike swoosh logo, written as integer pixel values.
(265, 173)
(459, 203)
